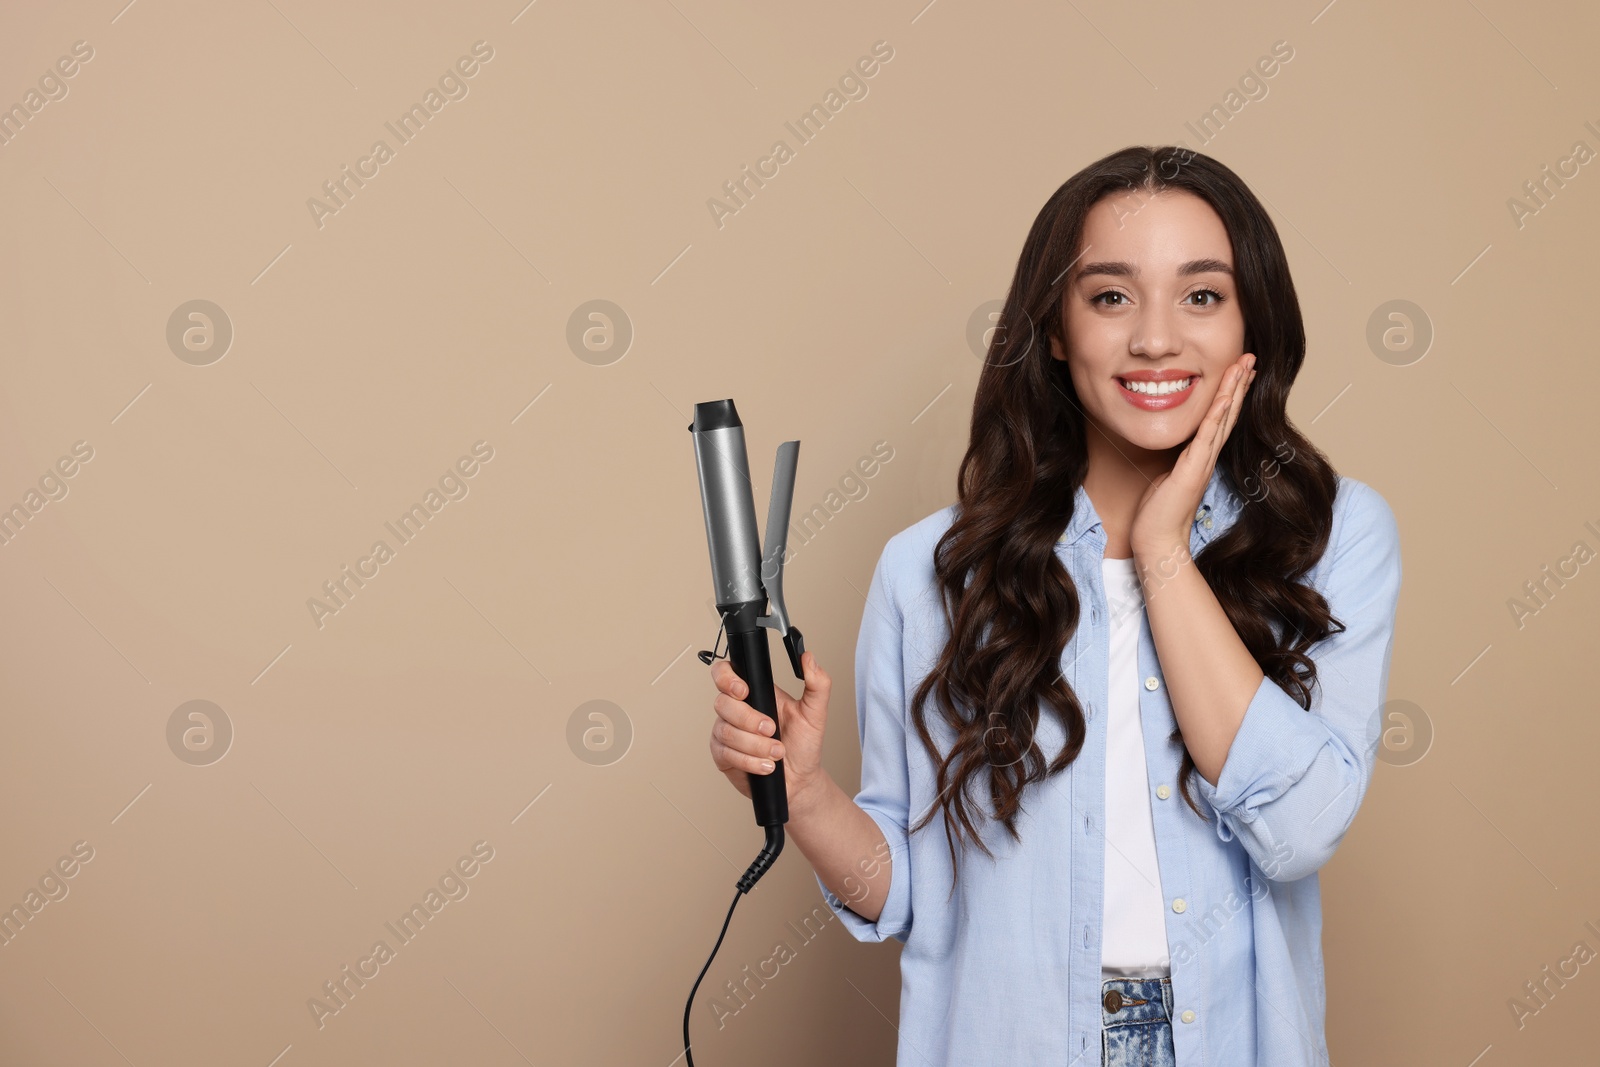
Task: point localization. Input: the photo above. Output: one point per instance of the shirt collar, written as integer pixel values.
(1219, 506)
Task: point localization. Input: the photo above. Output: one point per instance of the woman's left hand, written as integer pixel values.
(1167, 509)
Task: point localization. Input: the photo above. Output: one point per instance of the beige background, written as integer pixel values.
(432, 710)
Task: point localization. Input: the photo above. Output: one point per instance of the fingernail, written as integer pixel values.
(777, 751)
(767, 727)
(766, 765)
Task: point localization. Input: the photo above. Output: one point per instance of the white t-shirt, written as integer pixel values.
(1134, 929)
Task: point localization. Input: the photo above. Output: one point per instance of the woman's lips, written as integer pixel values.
(1150, 402)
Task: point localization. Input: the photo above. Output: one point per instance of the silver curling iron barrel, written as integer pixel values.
(745, 577)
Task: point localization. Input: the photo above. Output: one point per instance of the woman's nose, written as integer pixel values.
(1154, 334)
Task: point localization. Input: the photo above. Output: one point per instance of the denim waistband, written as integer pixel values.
(1124, 1001)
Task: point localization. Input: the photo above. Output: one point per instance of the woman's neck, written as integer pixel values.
(1119, 473)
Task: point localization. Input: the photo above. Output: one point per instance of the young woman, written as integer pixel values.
(1135, 675)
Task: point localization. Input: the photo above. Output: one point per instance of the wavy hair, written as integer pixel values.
(1009, 602)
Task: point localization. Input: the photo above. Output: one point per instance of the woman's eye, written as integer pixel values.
(1121, 298)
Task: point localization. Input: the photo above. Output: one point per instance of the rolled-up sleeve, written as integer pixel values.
(880, 727)
(1293, 780)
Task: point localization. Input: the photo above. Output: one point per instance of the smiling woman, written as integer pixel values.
(1120, 702)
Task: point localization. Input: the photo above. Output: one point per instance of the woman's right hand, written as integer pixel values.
(741, 738)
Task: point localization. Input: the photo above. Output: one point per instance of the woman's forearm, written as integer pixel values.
(845, 845)
(1210, 675)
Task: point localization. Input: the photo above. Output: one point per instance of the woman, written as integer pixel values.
(1135, 674)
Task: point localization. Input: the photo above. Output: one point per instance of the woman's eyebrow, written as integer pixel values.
(1120, 269)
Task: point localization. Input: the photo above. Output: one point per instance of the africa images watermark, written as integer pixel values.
(1213, 121)
(1539, 592)
(807, 525)
(452, 85)
(1539, 191)
(52, 486)
(338, 992)
(52, 89)
(740, 993)
(52, 887)
(1538, 990)
(341, 589)
(1155, 575)
(852, 86)
(1197, 929)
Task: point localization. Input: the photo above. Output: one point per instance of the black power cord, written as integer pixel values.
(747, 882)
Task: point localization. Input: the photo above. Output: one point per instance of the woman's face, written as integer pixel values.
(1151, 316)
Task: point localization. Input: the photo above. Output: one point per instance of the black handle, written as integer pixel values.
(752, 660)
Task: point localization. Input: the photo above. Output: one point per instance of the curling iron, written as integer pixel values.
(745, 578)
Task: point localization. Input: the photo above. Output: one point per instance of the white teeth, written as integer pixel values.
(1176, 385)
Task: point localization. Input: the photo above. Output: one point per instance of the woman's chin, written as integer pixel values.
(1153, 437)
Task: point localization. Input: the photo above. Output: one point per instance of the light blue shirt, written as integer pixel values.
(1006, 969)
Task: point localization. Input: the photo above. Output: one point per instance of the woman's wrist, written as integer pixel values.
(1161, 551)
(1155, 565)
(811, 796)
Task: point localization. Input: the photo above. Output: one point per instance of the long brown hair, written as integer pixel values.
(1009, 602)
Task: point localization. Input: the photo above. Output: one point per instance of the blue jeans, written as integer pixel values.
(1136, 1023)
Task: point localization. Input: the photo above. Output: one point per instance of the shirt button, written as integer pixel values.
(1163, 792)
(1151, 684)
(1208, 522)
(1179, 905)
(1187, 1016)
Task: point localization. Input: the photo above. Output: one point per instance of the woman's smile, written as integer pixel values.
(1157, 390)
